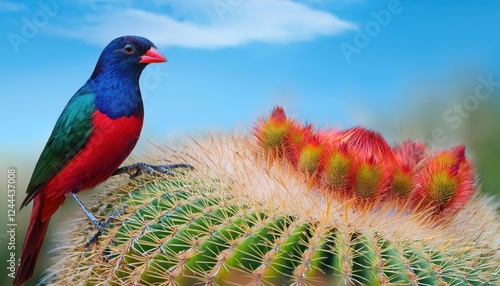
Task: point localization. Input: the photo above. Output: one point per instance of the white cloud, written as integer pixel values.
(11, 6)
(216, 24)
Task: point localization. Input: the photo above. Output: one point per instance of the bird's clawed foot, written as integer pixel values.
(136, 169)
(100, 226)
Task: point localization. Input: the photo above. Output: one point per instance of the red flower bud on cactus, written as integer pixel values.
(370, 178)
(367, 143)
(309, 154)
(296, 139)
(271, 132)
(337, 167)
(407, 155)
(402, 180)
(410, 152)
(329, 137)
(374, 161)
(445, 182)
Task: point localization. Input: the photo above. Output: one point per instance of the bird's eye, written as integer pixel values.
(128, 49)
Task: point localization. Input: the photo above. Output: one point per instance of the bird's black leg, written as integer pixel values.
(138, 168)
(98, 225)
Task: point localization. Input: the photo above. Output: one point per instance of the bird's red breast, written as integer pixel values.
(110, 142)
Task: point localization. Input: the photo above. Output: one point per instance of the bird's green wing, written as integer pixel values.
(70, 134)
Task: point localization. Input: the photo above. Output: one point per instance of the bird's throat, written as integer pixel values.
(117, 98)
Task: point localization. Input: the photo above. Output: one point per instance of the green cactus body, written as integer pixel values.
(237, 221)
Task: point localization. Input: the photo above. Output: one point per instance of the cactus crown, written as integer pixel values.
(360, 163)
(256, 211)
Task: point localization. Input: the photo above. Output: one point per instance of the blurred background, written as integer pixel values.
(425, 70)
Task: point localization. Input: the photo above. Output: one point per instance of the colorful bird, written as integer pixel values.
(96, 131)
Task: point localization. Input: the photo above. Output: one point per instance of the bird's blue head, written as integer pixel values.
(115, 80)
(127, 56)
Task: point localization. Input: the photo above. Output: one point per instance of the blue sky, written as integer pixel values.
(231, 61)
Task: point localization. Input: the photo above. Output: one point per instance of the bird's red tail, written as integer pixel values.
(32, 243)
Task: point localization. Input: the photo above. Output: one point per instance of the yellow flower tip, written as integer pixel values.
(369, 180)
(336, 164)
(272, 131)
(402, 183)
(296, 140)
(446, 181)
(309, 157)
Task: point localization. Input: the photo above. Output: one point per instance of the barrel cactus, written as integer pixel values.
(288, 205)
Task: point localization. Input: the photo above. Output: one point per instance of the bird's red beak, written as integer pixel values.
(152, 56)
